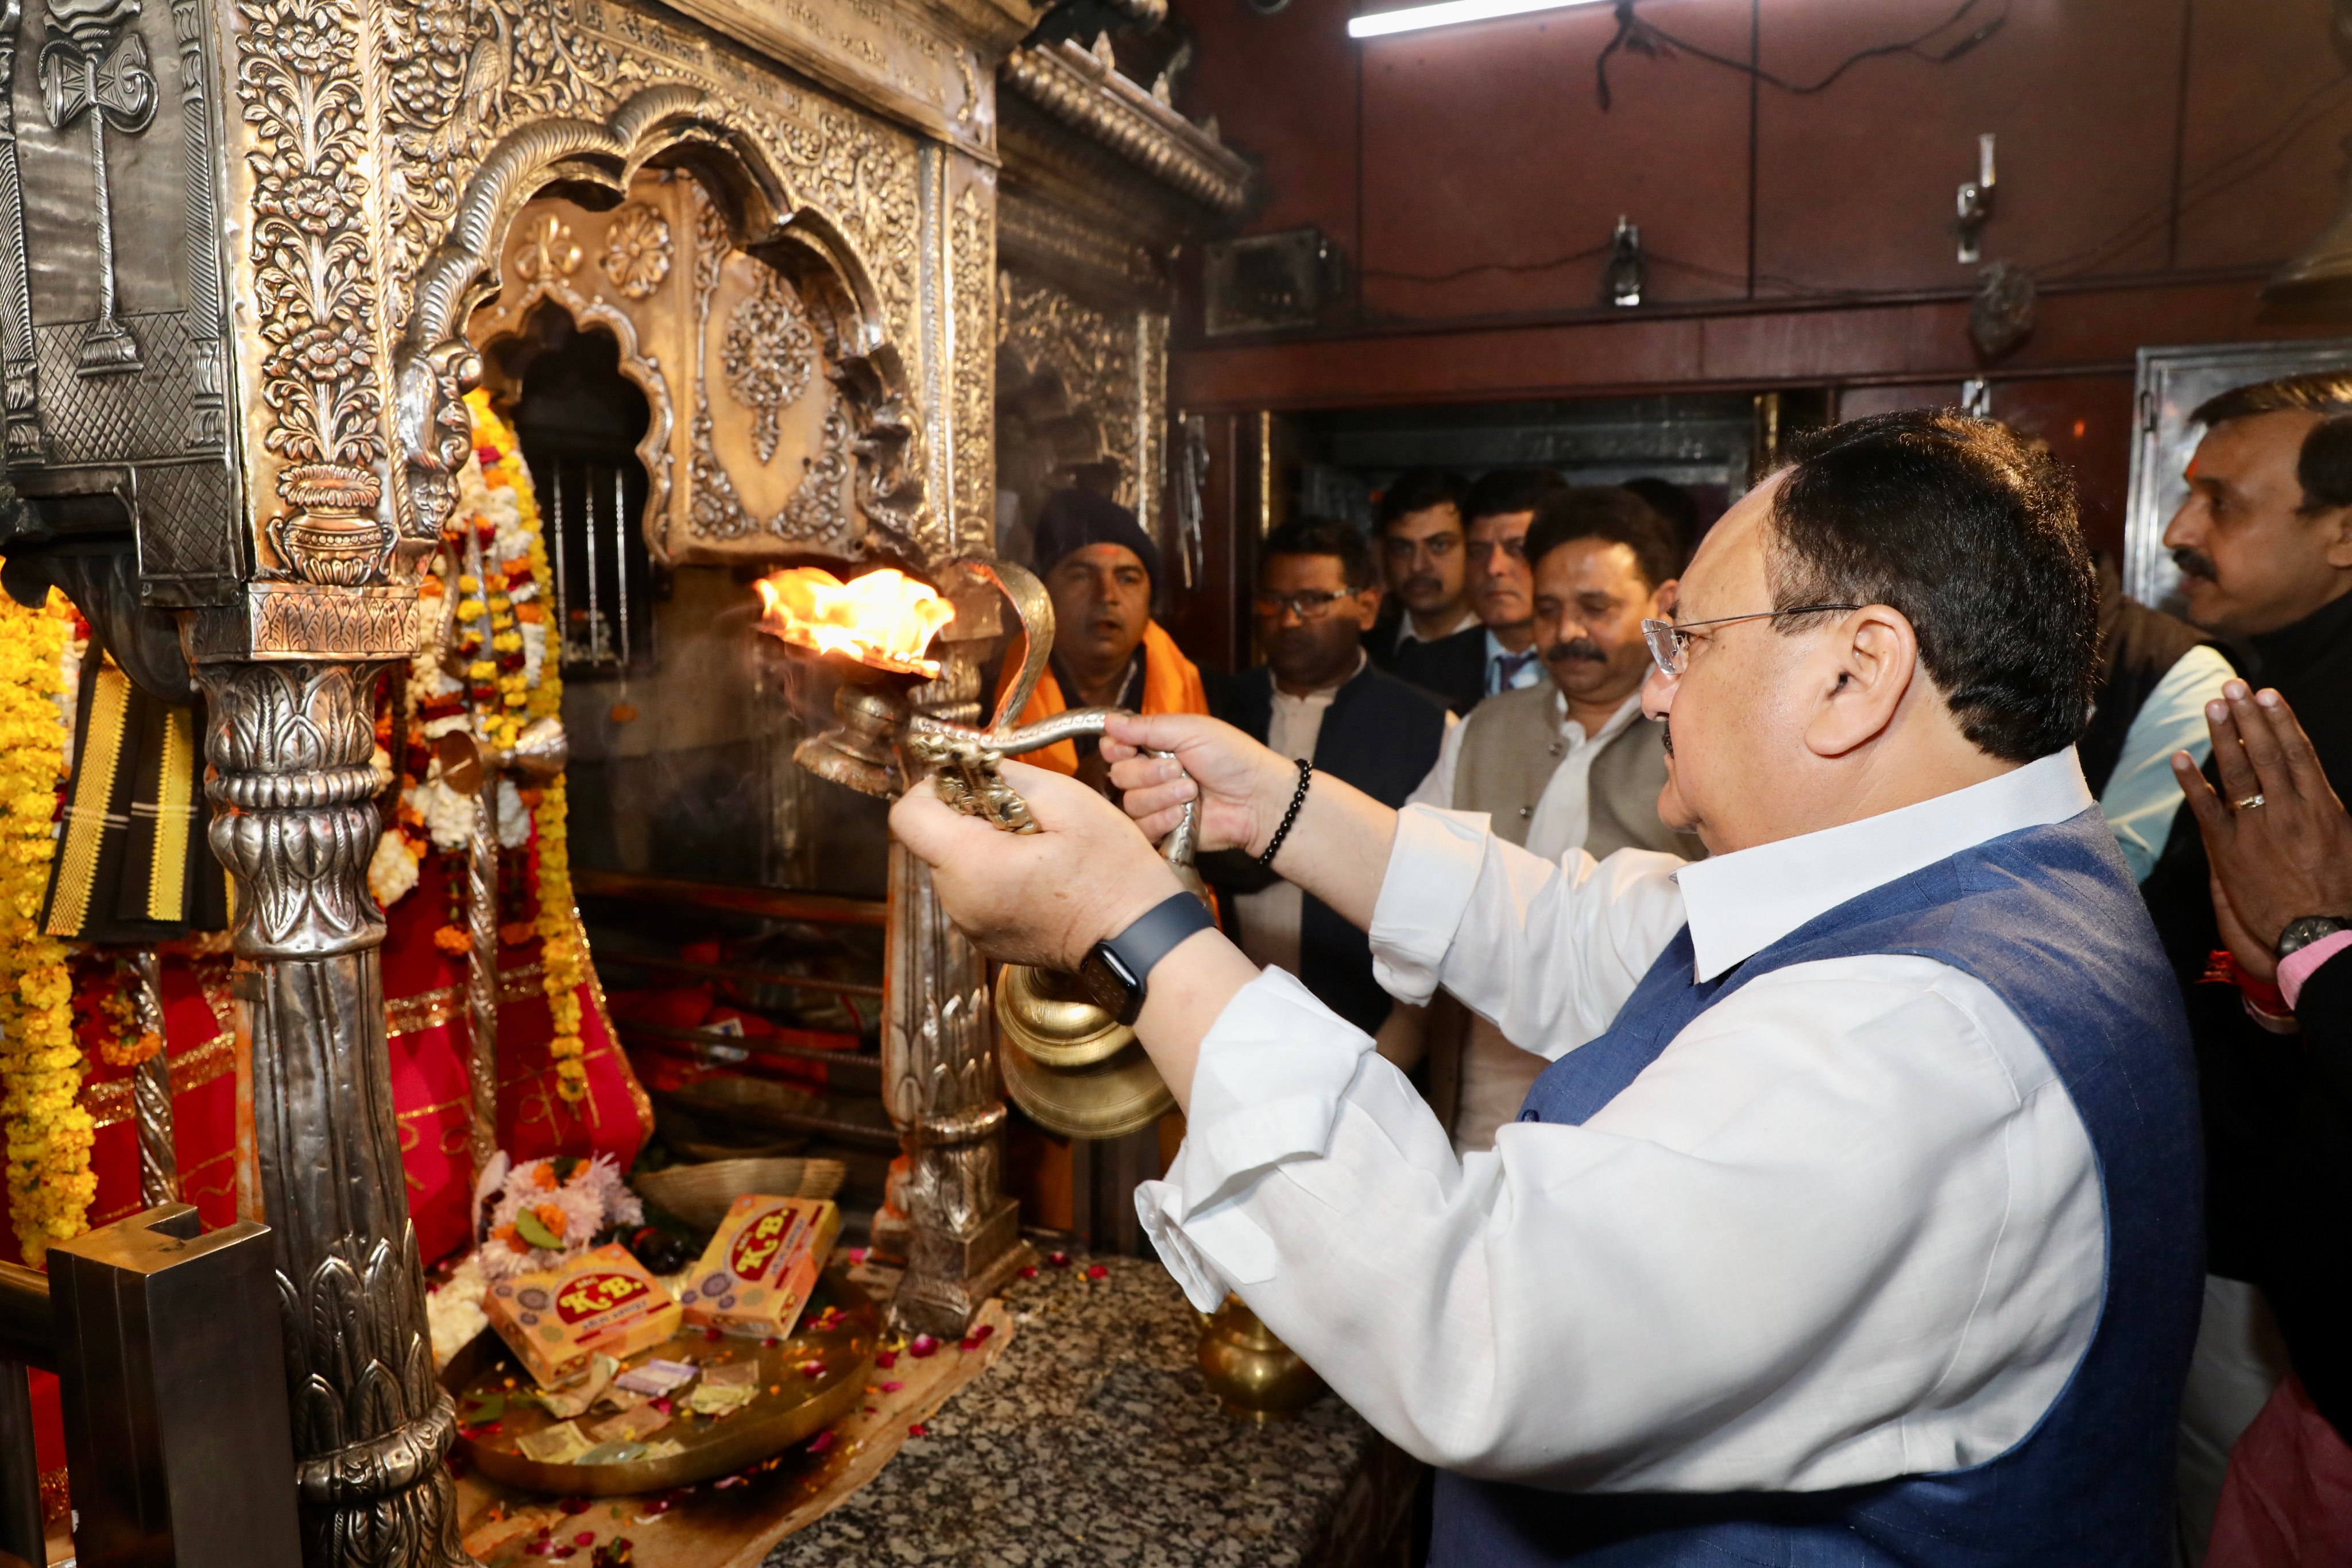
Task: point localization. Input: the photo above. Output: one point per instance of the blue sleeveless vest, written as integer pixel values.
(2049, 919)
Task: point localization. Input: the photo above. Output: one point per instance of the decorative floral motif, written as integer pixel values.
(637, 249)
(50, 1183)
(298, 78)
(769, 355)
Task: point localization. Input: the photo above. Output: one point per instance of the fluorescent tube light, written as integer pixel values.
(1412, 18)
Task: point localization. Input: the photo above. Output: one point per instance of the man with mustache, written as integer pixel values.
(1424, 559)
(2265, 545)
(1466, 670)
(1098, 567)
(1569, 764)
(1317, 696)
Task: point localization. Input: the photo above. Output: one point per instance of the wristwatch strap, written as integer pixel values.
(1126, 961)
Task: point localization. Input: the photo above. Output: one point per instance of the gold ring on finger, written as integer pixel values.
(2248, 804)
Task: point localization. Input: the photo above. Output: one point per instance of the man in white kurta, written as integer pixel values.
(1832, 1259)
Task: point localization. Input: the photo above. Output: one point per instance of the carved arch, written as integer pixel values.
(675, 125)
(641, 372)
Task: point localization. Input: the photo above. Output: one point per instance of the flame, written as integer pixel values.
(884, 618)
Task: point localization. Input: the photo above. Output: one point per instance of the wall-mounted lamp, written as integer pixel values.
(1975, 202)
(1412, 18)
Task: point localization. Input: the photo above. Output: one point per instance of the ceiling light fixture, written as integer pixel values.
(1445, 13)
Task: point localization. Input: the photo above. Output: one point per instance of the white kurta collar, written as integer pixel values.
(1742, 903)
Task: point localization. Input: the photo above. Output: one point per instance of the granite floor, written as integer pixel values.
(1093, 1441)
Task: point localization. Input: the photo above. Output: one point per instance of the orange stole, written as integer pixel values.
(1171, 684)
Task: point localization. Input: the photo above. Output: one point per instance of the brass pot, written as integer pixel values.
(1254, 1376)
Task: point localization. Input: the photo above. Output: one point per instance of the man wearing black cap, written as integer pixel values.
(1099, 565)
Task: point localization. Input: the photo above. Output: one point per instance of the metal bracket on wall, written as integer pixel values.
(1975, 202)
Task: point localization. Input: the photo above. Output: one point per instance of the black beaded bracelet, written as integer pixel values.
(1298, 798)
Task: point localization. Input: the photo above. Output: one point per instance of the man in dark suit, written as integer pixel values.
(2264, 544)
(1498, 654)
(1317, 696)
(1424, 556)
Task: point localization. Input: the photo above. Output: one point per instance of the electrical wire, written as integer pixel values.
(2217, 177)
(1640, 37)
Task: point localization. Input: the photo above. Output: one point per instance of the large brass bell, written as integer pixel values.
(1071, 1066)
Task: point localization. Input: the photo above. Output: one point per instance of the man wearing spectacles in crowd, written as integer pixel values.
(1855, 1221)
(1503, 657)
(1317, 696)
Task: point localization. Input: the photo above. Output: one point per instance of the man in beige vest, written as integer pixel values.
(1568, 764)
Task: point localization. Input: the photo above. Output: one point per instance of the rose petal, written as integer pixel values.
(821, 1442)
(1058, 1260)
(1096, 1271)
(885, 1359)
(892, 1387)
(918, 1430)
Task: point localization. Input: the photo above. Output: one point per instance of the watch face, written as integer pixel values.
(2302, 933)
(1108, 986)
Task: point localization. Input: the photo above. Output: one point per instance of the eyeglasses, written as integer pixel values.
(1312, 604)
(1669, 641)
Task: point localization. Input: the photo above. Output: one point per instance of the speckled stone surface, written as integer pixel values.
(1093, 1441)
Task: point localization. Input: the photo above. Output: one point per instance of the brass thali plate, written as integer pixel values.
(801, 1407)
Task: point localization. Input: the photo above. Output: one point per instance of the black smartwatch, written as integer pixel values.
(1116, 973)
(2303, 931)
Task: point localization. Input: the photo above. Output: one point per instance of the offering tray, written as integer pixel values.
(801, 1406)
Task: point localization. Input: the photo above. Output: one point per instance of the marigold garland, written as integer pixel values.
(563, 970)
(500, 627)
(50, 1183)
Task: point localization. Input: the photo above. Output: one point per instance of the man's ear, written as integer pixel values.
(2338, 525)
(1664, 597)
(1368, 606)
(1865, 669)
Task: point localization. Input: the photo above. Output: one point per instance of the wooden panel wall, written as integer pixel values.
(1463, 170)
(2158, 159)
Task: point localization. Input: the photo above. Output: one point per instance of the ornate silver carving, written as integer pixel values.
(971, 402)
(19, 383)
(109, 394)
(294, 823)
(313, 275)
(637, 249)
(1092, 99)
(940, 1084)
(1111, 369)
(151, 1087)
(768, 354)
(816, 514)
(93, 65)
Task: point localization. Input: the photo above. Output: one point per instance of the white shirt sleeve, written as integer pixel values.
(1560, 946)
(1846, 1228)
(2142, 796)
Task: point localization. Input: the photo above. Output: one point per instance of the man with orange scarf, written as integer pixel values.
(1099, 565)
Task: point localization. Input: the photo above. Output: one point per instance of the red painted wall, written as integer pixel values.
(1457, 168)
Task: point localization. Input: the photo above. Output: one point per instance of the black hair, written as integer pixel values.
(2323, 466)
(1675, 504)
(1506, 490)
(1969, 531)
(1417, 490)
(1608, 512)
(1322, 536)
